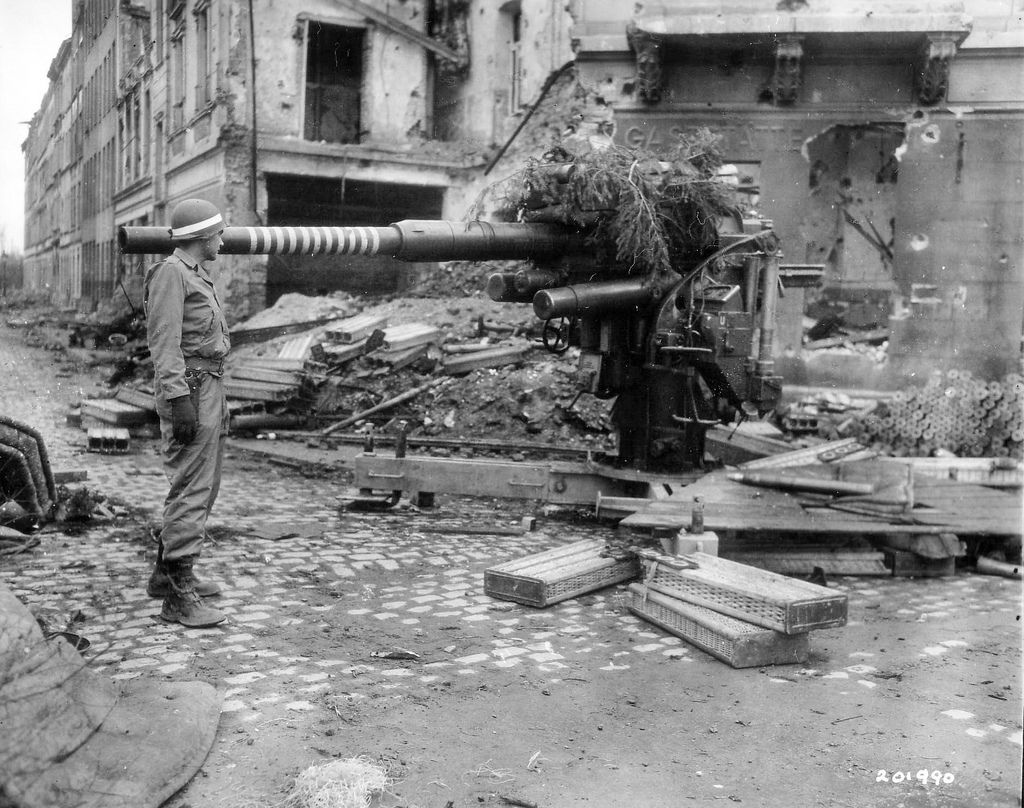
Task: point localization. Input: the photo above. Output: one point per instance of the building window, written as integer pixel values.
(147, 138)
(178, 77)
(201, 14)
(334, 83)
(157, 21)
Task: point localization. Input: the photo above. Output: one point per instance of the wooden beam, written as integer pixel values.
(399, 27)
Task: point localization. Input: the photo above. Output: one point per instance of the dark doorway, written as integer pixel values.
(318, 202)
(334, 83)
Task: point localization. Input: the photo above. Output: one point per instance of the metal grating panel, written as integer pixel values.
(559, 574)
(740, 644)
(750, 594)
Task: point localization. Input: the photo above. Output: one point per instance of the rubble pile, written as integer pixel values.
(860, 329)
(493, 380)
(296, 308)
(823, 414)
(953, 412)
(446, 367)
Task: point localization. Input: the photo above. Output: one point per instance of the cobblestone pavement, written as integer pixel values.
(359, 610)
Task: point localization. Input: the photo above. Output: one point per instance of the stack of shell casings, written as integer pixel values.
(954, 412)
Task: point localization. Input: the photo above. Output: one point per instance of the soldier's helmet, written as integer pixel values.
(195, 219)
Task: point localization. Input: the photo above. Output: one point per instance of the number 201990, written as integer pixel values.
(923, 776)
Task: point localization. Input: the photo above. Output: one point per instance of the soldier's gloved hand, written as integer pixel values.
(183, 419)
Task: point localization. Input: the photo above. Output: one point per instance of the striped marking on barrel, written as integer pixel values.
(313, 240)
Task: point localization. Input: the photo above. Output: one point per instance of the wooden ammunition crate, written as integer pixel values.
(754, 595)
(740, 644)
(554, 575)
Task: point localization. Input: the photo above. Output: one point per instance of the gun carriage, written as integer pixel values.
(680, 350)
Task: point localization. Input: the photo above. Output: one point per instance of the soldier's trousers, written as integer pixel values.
(193, 469)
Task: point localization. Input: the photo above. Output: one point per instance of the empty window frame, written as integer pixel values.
(177, 75)
(203, 60)
(334, 82)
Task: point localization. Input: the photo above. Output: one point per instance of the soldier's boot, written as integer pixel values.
(182, 604)
(160, 582)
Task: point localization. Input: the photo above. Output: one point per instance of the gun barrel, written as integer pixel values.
(410, 240)
(500, 289)
(585, 299)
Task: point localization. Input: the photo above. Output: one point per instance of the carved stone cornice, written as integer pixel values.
(648, 52)
(786, 76)
(933, 76)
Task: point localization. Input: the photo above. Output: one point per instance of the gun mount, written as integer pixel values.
(680, 351)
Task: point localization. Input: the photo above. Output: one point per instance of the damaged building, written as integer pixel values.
(318, 113)
(883, 141)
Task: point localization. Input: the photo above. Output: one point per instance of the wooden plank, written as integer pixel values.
(734, 445)
(875, 335)
(258, 391)
(247, 336)
(740, 644)
(409, 335)
(397, 360)
(356, 329)
(949, 508)
(143, 399)
(117, 413)
(65, 476)
(297, 348)
(399, 27)
(260, 374)
(831, 562)
(336, 354)
(496, 357)
(296, 364)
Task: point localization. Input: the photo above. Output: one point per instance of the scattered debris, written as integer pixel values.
(347, 783)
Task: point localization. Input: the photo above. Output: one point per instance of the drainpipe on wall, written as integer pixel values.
(253, 156)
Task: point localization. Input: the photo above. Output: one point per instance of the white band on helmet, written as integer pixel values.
(188, 229)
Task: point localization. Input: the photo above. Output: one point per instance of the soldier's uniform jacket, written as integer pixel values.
(184, 321)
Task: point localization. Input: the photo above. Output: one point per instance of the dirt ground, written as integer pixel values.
(370, 634)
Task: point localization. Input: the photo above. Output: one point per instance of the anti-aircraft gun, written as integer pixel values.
(681, 349)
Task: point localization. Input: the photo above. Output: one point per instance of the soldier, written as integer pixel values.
(188, 340)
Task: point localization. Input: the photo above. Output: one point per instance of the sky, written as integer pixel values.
(30, 34)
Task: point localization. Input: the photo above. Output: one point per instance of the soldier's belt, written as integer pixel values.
(204, 365)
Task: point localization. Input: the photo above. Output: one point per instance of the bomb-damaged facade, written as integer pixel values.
(301, 113)
(884, 140)
(885, 144)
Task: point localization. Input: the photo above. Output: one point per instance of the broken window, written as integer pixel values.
(201, 13)
(132, 138)
(851, 219)
(177, 75)
(334, 83)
